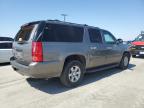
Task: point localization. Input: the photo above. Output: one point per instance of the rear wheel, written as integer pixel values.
(124, 61)
(72, 73)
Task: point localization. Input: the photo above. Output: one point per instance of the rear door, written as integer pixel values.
(60, 40)
(113, 50)
(96, 48)
(22, 46)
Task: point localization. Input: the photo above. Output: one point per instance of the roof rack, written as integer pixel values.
(54, 20)
(85, 25)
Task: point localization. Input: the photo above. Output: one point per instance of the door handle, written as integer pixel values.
(109, 48)
(93, 48)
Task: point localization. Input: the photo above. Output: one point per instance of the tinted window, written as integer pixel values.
(108, 37)
(39, 31)
(24, 33)
(62, 33)
(140, 38)
(95, 36)
(5, 45)
(5, 39)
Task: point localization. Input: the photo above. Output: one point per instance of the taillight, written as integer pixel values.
(37, 52)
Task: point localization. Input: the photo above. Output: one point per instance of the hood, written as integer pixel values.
(138, 43)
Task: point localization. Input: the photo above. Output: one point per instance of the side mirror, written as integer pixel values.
(119, 41)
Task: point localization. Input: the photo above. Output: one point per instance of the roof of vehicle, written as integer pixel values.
(59, 22)
(30, 23)
(69, 23)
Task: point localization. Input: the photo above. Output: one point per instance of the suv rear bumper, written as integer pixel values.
(37, 69)
(137, 52)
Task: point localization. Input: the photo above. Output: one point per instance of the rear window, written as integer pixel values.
(62, 33)
(5, 45)
(24, 33)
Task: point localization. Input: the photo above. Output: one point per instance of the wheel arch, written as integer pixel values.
(127, 52)
(78, 57)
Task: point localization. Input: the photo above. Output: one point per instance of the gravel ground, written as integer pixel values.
(106, 89)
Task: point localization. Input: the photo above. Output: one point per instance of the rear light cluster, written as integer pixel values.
(37, 52)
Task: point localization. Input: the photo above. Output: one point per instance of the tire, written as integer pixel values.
(124, 61)
(133, 56)
(72, 74)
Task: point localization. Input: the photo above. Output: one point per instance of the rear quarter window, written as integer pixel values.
(5, 45)
(62, 33)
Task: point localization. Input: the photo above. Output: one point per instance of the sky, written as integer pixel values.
(123, 18)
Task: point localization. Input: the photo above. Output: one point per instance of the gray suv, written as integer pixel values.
(53, 48)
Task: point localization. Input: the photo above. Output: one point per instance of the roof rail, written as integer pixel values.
(30, 23)
(54, 20)
(85, 25)
(70, 23)
(64, 22)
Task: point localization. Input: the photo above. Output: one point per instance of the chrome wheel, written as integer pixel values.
(126, 61)
(74, 74)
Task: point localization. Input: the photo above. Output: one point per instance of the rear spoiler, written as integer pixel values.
(31, 23)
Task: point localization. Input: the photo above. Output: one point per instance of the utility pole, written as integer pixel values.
(64, 15)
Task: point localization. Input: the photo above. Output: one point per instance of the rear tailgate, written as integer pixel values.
(22, 46)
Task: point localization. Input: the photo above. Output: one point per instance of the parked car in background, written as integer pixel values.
(137, 46)
(5, 49)
(52, 48)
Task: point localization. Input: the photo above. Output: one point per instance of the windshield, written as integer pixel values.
(139, 38)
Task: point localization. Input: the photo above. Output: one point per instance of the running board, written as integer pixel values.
(101, 68)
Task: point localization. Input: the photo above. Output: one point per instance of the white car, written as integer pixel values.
(5, 49)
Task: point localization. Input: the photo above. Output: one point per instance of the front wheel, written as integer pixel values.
(124, 61)
(72, 73)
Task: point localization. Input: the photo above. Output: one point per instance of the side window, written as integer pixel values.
(9, 45)
(109, 38)
(95, 35)
(5, 45)
(62, 33)
(6, 39)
